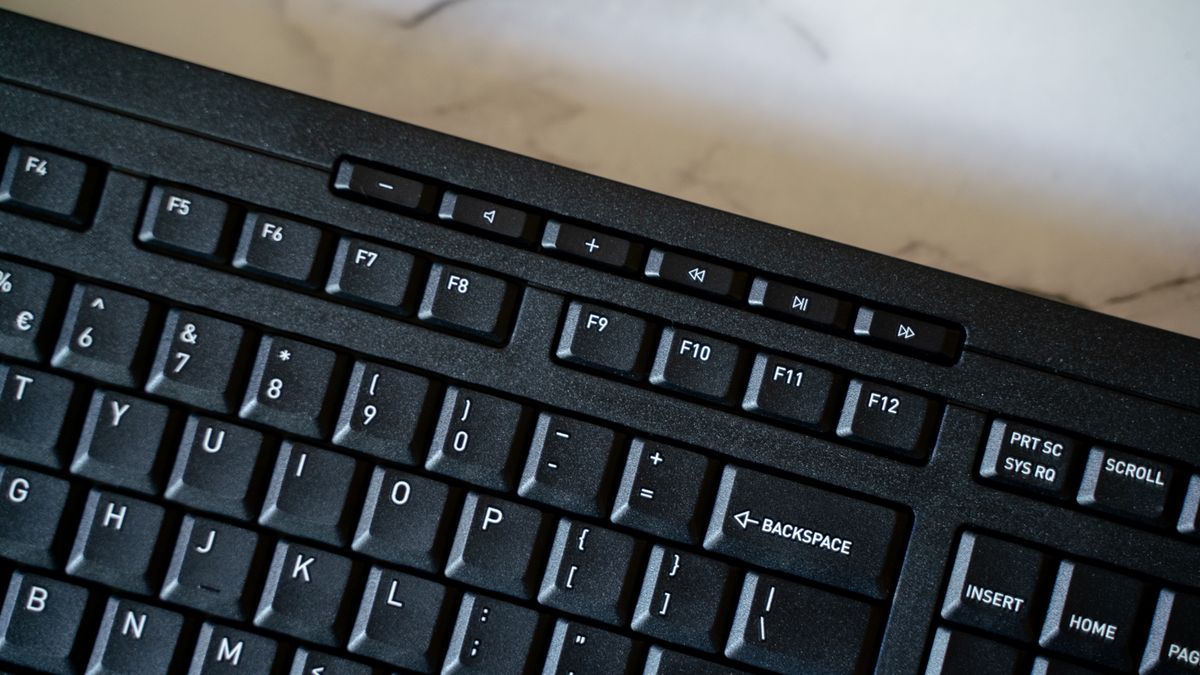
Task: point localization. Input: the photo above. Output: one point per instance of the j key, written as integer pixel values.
(47, 184)
(497, 545)
(794, 302)
(384, 186)
(491, 636)
(567, 464)
(958, 653)
(196, 360)
(184, 221)
(694, 273)
(994, 586)
(662, 661)
(119, 444)
(382, 413)
(309, 494)
(1125, 484)
(588, 244)
(661, 490)
(476, 438)
(790, 391)
(216, 466)
(288, 386)
(582, 650)
(24, 296)
(228, 651)
(837, 636)
(884, 417)
(33, 407)
(604, 339)
(116, 542)
(923, 337)
(280, 248)
(369, 273)
(683, 597)
(1189, 517)
(592, 572)
(695, 364)
(209, 567)
(31, 505)
(1093, 614)
(398, 620)
(102, 335)
(468, 302)
(1045, 666)
(1174, 643)
(486, 216)
(303, 594)
(1030, 458)
(135, 638)
(39, 621)
(803, 530)
(402, 520)
(308, 662)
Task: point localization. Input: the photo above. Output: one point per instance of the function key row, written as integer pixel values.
(926, 338)
(779, 388)
(48, 184)
(305, 256)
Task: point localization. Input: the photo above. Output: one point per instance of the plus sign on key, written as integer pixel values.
(586, 243)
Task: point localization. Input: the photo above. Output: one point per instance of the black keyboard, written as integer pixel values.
(286, 387)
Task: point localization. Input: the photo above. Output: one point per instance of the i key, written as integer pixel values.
(33, 406)
(591, 572)
(497, 545)
(661, 491)
(402, 519)
(39, 621)
(116, 543)
(135, 638)
(196, 359)
(308, 494)
(304, 592)
(683, 597)
(491, 636)
(475, 438)
(120, 441)
(399, 619)
(288, 386)
(24, 296)
(567, 464)
(31, 504)
(209, 567)
(382, 412)
(102, 335)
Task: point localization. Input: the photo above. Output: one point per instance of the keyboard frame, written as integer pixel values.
(150, 117)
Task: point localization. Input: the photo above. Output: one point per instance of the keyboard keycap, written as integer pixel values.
(1126, 485)
(994, 587)
(1174, 642)
(373, 274)
(683, 599)
(915, 335)
(1045, 666)
(476, 438)
(307, 662)
(584, 243)
(39, 621)
(31, 505)
(791, 391)
(888, 418)
(1034, 459)
(837, 636)
(216, 466)
(46, 183)
(662, 661)
(802, 530)
(661, 490)
(567, 464)
(958, 653)
(288, 386)
(24, 299)
(486, 216)
(794, 302)
(210, 566)
(304, 592)
(491, 636)
(498, 546)
(383, 187)
(119, 444)
(184, 221)
(582, 650)
(1189, 517)
(102, 335)
(466, 301)
(692, 273)
(33, 409)
(591, 572)
(383, 412)
(399, 620)
(117, 541)
(221, 650)
(403, 520)
(197, 360)
(1092, 615)
(135, 638)
(309, 494)
(695, 364)
(604, 339)
(279, 248)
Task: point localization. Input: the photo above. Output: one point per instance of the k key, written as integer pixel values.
(304, 592)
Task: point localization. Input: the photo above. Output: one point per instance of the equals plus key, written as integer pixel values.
(661, 490)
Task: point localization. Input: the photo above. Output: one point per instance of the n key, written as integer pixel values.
(304, 593)
(102, 335)
(135, 638)
(39, 622)
(196, 358)
(116, 541)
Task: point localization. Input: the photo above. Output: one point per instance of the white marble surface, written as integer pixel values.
(1053, 147)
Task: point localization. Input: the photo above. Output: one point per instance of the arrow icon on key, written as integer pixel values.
(745, 520)
(490, 216)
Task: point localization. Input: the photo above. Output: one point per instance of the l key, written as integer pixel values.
(102, 334)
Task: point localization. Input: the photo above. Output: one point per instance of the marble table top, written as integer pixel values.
(1050, 147)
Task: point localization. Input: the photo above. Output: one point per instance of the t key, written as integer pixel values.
(102, 334)
(33, 406)
(288, 386)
